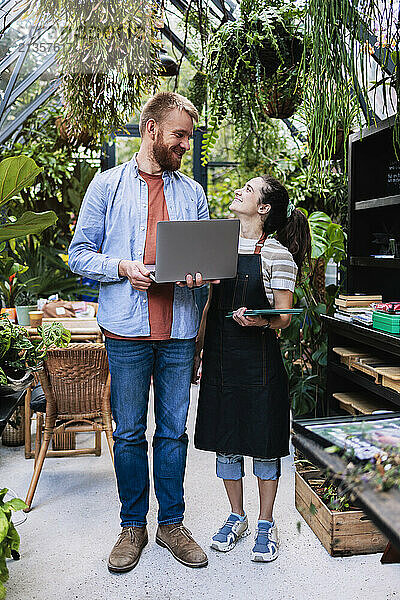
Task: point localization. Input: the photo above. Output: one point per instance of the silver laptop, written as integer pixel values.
(206, 247)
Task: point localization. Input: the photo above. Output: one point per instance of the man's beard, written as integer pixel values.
(164, 156)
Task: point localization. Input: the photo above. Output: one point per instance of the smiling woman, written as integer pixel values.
(243, 407)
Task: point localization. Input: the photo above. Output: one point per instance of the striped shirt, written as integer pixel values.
(278, 267)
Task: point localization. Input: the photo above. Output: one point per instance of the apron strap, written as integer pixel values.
(260, 243)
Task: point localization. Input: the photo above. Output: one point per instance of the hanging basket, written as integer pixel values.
(280, 107)
(14, 435)
(74, 138)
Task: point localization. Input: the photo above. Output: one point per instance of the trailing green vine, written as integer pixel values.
(337, 83)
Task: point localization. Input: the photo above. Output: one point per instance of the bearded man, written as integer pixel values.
(149, 328)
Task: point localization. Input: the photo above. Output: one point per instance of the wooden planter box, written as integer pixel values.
(341, 533)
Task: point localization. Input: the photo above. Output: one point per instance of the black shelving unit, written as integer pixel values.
(341, 379)
(374, 207)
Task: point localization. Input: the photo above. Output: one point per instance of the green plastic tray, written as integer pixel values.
(385, 322)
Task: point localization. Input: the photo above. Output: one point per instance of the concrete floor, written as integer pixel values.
(66, 539)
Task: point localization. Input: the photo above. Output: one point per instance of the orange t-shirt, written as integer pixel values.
(160, 296)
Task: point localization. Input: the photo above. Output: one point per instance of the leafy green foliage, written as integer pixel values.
(197, 90)
(210, 138)
(64, 177)
(29, 223)
(16, 173)
(48, 271)
(9, 538)
(303, 343)
(61, 185)
(10, 287)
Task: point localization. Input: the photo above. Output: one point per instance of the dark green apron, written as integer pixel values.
(243, 405)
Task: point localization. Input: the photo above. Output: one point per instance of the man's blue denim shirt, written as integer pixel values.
(112, 226)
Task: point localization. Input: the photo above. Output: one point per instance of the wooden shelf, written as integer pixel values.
(375, 339)
(370, 261)
(377, 203)
(367, 383)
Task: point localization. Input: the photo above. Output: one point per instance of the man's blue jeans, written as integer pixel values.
(131, 366)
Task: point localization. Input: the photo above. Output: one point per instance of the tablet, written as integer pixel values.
(270, 312)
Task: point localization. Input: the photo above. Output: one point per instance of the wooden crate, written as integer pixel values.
(341, 533)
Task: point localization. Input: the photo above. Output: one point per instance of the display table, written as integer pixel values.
(82, 330)
(383, 508)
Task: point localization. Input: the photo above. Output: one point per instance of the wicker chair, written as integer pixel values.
(76, 382)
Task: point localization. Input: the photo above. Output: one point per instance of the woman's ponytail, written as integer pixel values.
(296, 236)
(293, 232)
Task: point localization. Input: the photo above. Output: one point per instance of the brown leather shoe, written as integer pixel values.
(127, 550)
(178, 540)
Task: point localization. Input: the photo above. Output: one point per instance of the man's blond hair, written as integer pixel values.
(159, 105)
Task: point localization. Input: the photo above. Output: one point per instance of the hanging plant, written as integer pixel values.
(338, 90)
(108, 60)
(244, 55)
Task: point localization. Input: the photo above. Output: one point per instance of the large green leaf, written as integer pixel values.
(13, 538)
(30, 222)
(16, 173)
(319, 225)
(15, 504)
(4, 525)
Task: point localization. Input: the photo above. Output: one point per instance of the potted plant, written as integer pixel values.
(19, 355)
(23, 305)
(108, 60)
(15, 293)
(9, 538)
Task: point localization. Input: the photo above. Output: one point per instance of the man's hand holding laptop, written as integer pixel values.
(196, 282)
(138, 275)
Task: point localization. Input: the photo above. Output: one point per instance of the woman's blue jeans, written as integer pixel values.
(131, 366)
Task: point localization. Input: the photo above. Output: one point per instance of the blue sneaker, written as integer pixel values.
(225, 539)
(266, 546)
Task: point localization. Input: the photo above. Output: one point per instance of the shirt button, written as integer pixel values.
(144, 300)
(138, 253)
(144, 205)
(142, 228)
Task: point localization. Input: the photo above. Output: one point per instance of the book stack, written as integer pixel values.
(356, 308)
